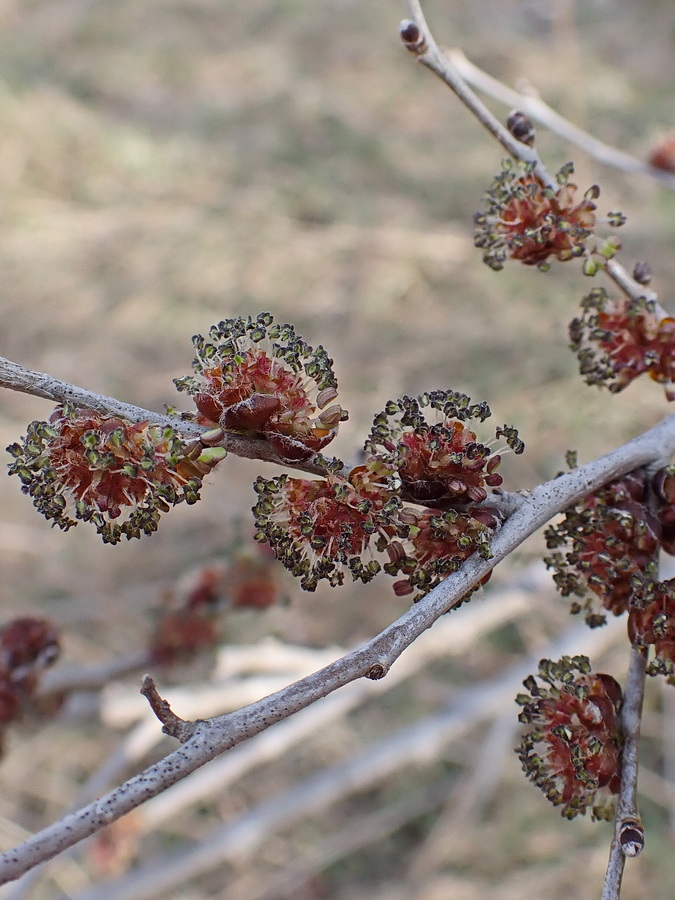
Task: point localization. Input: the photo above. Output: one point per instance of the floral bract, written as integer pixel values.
(102, 470)
(573, 746)
(607, 543)
(618, 340)
(257, 377)
(527, 221)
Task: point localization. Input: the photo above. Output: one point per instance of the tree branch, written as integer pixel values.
(372, 660)
(39, 384)
(419, 40)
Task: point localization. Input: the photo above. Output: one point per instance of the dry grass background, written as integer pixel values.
(167, 163)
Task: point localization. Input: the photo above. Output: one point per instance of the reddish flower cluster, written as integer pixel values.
(437, 544)
(320, 528)
(662, 156)
(617, 340)
(572, 749)
(651, 623)
(189, 621)
(527, 221)
(103, 468)
(27, 647)
(280, 390)
(609, 544)
(439, 464)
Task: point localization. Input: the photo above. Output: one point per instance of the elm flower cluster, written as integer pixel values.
(118, 475)
(618, 340)
(651, 623)
(605, 548)
(320, 528)
(434, 543)
(529, 222)
(572, 748)
(256, 377)
(28, 646)
(440, 463)
(323, 528)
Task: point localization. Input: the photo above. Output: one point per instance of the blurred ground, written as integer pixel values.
(168, 163)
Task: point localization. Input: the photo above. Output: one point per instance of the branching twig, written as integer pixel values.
(532, 105)
(418, 38)
(172, 724)
(371, 660)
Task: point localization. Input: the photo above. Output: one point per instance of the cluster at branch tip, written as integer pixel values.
(256, 377)
(527, 221)
(27, 647)
(618, 340)
(324, 528)
(120, 476)
(572, 747)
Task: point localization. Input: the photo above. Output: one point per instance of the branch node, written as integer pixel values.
(172, 724)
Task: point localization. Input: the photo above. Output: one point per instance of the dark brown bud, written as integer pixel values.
(412, 37)
(642, 272)
(521, 127)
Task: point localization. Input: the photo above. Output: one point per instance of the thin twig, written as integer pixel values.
(372, 660)
(629, 835)
(532, 105)
(427, 51)
(172, 724)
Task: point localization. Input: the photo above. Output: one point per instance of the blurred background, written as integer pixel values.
(168, 163)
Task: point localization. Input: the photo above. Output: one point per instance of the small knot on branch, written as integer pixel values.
(412, 37)
(376, 672)
(172, 724)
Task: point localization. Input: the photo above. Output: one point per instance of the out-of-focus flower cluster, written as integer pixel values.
(189, 621)
(572, 747)
(606, 550)
(118, 475)
(256, 377)
(618, 340)
(323, 528)
(529, 222)
(27, 647)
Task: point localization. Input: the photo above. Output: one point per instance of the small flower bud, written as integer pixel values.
(642, 272)
(521, 127)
